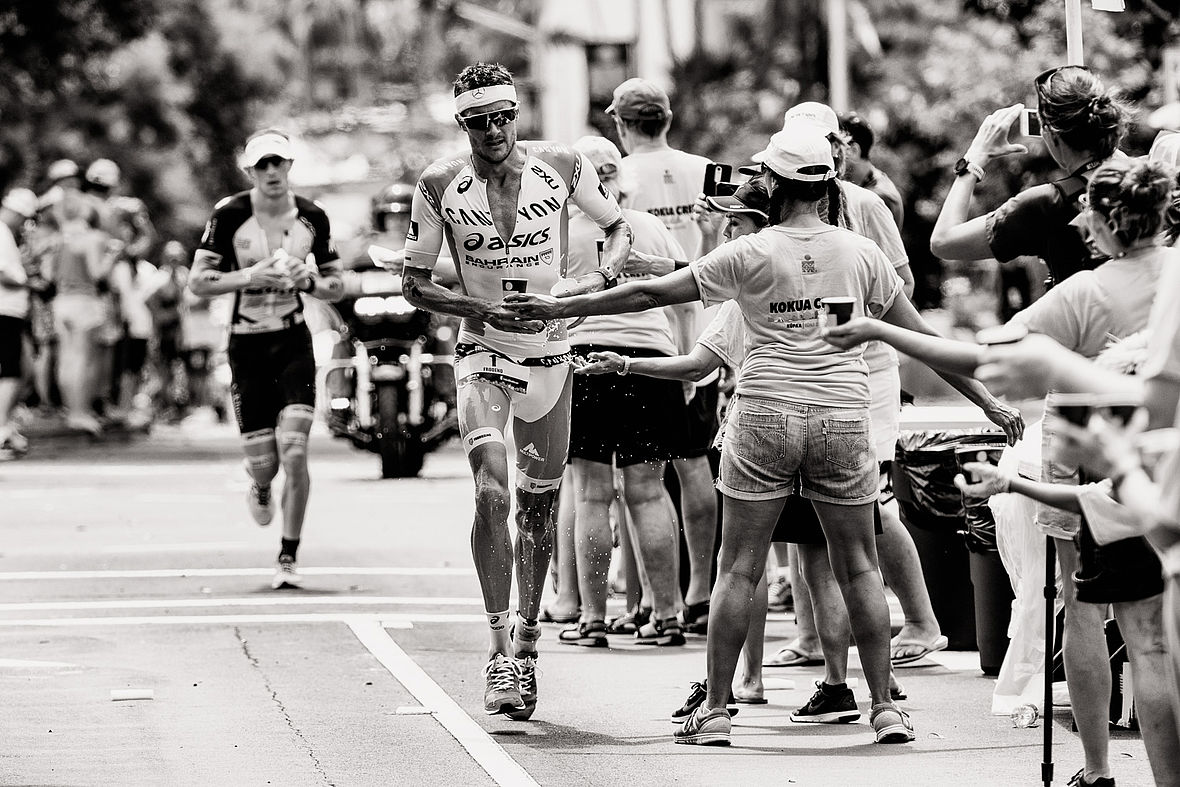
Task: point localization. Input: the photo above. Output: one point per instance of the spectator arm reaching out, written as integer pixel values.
(1029, 368)
(636, 296)
(694, 366)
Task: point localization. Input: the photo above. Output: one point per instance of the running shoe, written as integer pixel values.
(261, 505)
(695, 697)
(705, 729)
(891, 724)
(526, 670)
(286, 573)
(778, 594)
(1079, 780)
(828, 706)
(502, 693)
(663, 633)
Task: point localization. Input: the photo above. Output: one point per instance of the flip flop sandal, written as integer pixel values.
(548, 617)
(588, 635)
(792, 657)
(925, 649)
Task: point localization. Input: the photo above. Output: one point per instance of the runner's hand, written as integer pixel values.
(303, 271)
(532, 306)
(852, 333)
(1007, 418)
(991, 480)
(991, 141)
(602, 363)
(1024, 370)
(503, 319)
(640, 264)
(267, 274)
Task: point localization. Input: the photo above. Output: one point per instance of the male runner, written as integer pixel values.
(270, 248)
(502, 211)
(667, 183)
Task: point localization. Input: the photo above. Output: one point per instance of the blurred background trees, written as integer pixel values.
(170, 88)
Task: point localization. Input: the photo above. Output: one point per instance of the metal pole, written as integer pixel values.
(1050, 632)
(838, 55)
(1073, 33)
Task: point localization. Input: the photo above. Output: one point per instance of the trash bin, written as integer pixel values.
(931, 508)
(993, 609)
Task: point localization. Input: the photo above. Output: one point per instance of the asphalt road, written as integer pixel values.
(134, 567)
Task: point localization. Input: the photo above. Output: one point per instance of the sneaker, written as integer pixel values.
(778, 594)
(260, 504)
(502, 693)
(286, 573)
(663, 633)
(526, 670)
(891, 724)
(705, 729)
(1079, 780)
(828, 706)
(694, 618)
(695, 697)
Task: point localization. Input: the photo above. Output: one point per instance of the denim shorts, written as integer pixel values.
(774, 449)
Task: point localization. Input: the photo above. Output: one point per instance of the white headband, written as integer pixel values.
(482, 96)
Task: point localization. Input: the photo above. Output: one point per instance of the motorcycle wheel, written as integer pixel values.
(401, 454)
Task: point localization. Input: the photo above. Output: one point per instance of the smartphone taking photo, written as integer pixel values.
(714, 174)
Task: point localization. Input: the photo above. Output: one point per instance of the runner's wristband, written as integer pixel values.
(626, 366)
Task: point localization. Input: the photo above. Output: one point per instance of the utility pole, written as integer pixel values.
(838, 96)
(1073, 33)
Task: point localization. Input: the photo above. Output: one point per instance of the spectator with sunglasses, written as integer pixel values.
(503, 210)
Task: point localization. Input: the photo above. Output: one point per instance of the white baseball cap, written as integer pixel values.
(271, 143)
(802, 153)
(21, 201)
(815, 114)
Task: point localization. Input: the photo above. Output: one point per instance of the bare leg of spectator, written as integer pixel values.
(1087, 668)
(1141, 624)
(653, 534)
(903, 573)
(698, 508)
(594, 491)
(749, 684)
(564, 557)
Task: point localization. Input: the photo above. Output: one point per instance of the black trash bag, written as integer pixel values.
(924, 470)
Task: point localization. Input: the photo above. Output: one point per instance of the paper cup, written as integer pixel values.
(514, 285)
(839, 309)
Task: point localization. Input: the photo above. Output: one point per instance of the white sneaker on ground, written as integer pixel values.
(286, 573)
(258, 500)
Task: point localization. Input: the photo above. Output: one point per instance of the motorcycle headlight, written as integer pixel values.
(377, 306)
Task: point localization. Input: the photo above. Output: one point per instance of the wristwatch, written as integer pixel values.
(963, 167)
(609, 280)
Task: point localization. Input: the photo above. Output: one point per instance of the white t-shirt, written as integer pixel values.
(14, 301)
(650, 329)
(868, 215)
(779, 277)
(1163, 363)
(134, 292)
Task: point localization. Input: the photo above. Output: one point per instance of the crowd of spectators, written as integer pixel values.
(97, 327)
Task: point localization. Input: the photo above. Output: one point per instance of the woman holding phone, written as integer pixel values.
(1123, 212)
(799, 420)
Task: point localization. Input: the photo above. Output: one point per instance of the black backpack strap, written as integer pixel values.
(1070, 188)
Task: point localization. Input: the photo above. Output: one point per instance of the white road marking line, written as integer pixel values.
(180, 573)
(192, 546)
(249, 601)
(488, 754)
(26, 664)
(389, 621)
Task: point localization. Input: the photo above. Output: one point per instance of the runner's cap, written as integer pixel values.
(639, 99)
(103, 172)
(268, 144)
(748, 198)
(22, 202)
(62, 169)
(813, 113)
(799, 154)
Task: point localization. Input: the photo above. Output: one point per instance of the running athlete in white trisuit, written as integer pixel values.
(502, 211)
(270, 248)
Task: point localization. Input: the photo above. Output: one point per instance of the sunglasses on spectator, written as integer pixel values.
(481, 122)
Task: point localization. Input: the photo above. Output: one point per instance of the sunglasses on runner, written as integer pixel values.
(481, 122)
(270, 161)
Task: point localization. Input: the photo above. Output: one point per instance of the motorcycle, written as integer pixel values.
(390, 384)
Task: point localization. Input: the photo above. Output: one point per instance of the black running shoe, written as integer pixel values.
(695, 697)
(828, 706)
